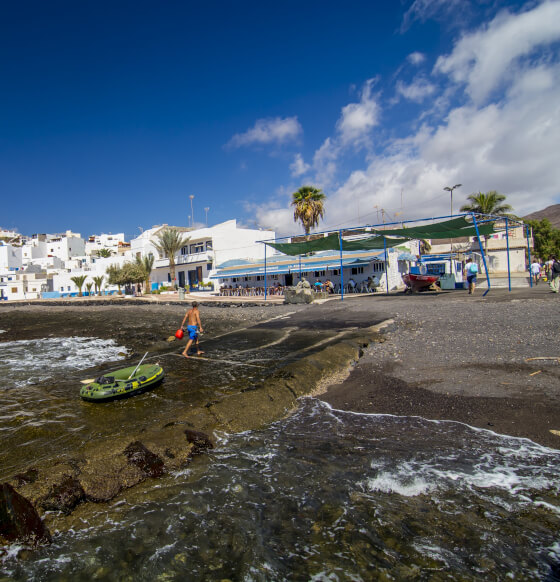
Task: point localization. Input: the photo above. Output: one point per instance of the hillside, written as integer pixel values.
(552, 213)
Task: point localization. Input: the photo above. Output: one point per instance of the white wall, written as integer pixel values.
(10, 257)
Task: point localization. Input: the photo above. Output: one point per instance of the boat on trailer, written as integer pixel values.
(122, 383)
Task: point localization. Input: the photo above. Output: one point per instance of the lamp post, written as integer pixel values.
(192, 213)
(206, 210)
(450, 190)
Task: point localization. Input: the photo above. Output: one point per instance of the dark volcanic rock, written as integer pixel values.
(29, 476)
(19, 521)
(144, 459)
(200, 440)
(64, 496)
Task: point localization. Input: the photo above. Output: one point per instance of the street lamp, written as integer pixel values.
(192, 213)
(206, 210)
(450, 190)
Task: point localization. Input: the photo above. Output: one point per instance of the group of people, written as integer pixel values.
(549, 269)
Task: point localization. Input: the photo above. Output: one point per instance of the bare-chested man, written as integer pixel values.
(192, 317)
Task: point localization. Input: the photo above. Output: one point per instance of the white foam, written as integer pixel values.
(393, 483)
(21, 360)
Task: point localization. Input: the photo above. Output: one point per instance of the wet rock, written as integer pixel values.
(29, 476)
(19, 520)
(144, 459)
(200, 441)
(64, 496)
(103, 479)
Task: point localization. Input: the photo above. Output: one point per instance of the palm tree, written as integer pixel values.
(308, 203)
(169, 243)
(105, 253)
(88, 287)
(147, 264)
(79, 281)
(98, 281)
(488, 203)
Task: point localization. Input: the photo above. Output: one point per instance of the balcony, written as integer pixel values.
(204, 257)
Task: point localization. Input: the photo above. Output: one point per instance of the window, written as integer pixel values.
(197, 248)
(319, 274)
(208, 245)
(185, 250)
(14, 289)
(379, 267)
(209, 267)
(335, 272)
(357, 270)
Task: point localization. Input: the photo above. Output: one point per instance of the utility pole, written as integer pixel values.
(192, 212)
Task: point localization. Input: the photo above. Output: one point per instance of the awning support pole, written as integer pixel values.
(507, 246)
(529, 256)
(265, 287)
(386, 266)
(482, 253)
(341, 268)
(300, 267)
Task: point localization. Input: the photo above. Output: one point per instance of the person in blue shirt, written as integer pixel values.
(471, 270)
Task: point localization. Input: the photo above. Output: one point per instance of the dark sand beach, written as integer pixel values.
(488, 362)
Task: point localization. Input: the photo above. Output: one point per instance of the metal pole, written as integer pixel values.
(507, 246)
(300, 267)
(483, 255)
(341, 268)
(529, 257)
(386, 261)
(265, 288)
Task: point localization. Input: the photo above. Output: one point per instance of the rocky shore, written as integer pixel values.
(491, 362)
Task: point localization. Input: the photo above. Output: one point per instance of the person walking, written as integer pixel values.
(535, 270)
(471, 271)
(554, 275)
(192, 318)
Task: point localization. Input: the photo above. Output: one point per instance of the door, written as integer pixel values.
(288, 280)
(181, 278)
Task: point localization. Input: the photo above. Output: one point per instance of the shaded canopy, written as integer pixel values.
(454, 228)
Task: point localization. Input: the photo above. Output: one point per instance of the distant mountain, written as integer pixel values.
(551, 213)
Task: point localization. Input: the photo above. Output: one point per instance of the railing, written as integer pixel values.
(204, 257)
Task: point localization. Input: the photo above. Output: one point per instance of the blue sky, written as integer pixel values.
(113, 114)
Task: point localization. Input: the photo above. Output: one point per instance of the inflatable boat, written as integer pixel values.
(122, 383)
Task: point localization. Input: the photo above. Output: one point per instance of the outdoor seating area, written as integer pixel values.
(249, 291)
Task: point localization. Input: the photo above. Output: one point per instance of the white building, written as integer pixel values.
(10, 257)
(113, 242)
(206, 247)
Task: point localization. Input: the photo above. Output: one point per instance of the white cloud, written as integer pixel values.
(417, 91)
(423, 10)
(275, 130)
(298, 167)
(509, 144)
(416, 58)
(487, 58)
(358, 119)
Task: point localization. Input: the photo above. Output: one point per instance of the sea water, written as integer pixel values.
(329, 495)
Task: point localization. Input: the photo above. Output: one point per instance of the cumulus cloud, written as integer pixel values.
(486, 59)
(506, 141)
(275, 130)
(298, 167)
(358, 119)
(417, 91)
(416, 58)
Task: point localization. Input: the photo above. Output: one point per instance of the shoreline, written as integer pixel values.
(491, 363)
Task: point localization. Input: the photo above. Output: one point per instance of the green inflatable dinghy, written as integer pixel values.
(120, 383)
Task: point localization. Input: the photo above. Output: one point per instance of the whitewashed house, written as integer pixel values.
(206, 247)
